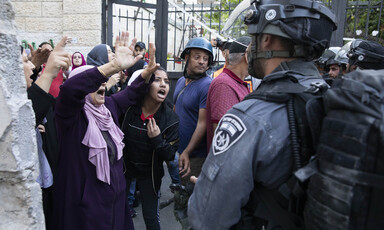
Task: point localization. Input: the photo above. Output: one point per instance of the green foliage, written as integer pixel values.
(358, 14)
(221, 13)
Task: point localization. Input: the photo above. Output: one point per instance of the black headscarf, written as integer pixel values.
(98, 55)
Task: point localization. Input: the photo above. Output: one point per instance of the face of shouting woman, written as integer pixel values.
(159, 88)
(98, 97)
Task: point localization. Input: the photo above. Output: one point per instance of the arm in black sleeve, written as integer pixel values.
(41, 102)
(35, 73)
(166, 144)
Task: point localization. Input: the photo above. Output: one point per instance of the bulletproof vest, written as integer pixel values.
(286, 203)
(347, 192)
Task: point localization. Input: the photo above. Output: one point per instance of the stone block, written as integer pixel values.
(52, 9)
(27, 9)
(82, 7)
(20, 22)
(44, 25)
(82, 22)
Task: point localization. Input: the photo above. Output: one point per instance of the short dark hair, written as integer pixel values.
(45, 43)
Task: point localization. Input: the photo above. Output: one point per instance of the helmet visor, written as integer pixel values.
(235, 26)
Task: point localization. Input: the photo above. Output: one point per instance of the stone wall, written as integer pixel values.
(20, 195)
(41, 20)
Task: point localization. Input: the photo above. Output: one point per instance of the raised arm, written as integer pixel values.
(133, 93)
(58, 59)
(42, 101)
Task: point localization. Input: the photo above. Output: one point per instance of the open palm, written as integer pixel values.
(124, 53)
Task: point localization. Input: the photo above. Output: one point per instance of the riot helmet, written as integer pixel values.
(342, 55)
(366, 54)
(328, 55)
(308, 24)
(199, 43)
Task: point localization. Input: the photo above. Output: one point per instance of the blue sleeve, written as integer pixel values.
(204, 93)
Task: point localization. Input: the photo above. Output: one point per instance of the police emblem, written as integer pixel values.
(228, 132)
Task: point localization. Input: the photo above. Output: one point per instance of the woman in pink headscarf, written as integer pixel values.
(89, 191)
(77, 60)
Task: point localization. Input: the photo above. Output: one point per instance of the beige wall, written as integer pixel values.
(41, 20)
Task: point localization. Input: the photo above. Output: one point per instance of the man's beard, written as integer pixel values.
(193, 75)
(257, 66)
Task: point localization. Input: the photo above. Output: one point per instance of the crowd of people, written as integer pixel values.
(105, 127)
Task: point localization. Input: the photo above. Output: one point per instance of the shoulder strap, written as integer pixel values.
(280, 88)
(182, 91)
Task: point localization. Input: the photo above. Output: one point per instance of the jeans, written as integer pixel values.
(131, 191)
(149, 197)
(173, 169)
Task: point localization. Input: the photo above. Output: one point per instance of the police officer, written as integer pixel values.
(365, 54)
(328, 66)
(251, 149)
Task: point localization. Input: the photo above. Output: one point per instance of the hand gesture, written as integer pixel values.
(184, 164)
(113, 80)
(193, 179)
(39, 56)
(58, 59)
(124, 54)
(152, 65)
(153, 129)
(123, 77)
(41, 128)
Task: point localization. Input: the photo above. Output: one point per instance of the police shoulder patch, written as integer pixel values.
(228, 132)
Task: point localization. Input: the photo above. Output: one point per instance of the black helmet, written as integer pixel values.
(366, 54)
(308, 23)
(329, 54)
(199, 43)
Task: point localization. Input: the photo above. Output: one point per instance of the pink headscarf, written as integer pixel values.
(82, 60)
(100, 119)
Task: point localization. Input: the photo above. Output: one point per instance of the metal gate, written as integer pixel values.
(139, 18)
(170, 24)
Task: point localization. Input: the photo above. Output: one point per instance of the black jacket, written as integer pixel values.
(43, 103)
(144, 156)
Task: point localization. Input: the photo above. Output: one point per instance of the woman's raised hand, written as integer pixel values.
(124, 53)
(152, 65)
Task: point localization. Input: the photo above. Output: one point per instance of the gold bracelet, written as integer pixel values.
(101, 71)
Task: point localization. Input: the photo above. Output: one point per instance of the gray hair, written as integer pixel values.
(235, 58)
